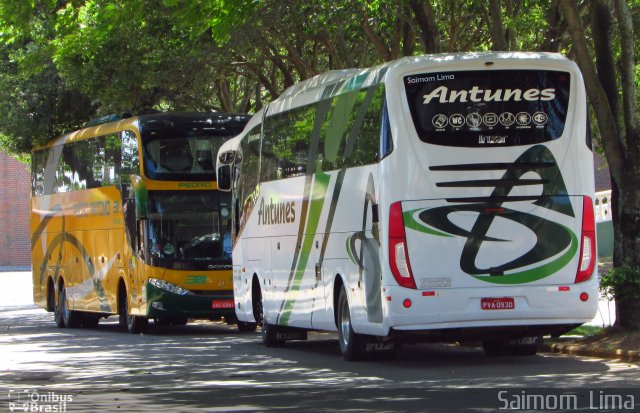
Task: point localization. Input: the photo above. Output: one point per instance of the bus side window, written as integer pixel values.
(130, 164)
(37, 172)
(112, 159)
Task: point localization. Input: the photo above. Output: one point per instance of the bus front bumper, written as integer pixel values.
(161, 303)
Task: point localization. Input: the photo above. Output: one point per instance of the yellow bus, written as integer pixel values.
(126, 220)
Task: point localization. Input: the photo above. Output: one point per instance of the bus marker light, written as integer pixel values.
(406, 303)
(587, 255)
(584, 297)
(388, 298)
(564, 288)
(428, 293)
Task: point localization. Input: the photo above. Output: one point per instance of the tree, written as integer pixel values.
(607, 81)
(36, 103)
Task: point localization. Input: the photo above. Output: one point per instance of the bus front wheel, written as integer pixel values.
(134, 324)
(350, 342)
(246, 327)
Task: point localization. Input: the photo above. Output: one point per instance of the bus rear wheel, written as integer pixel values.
(270, 335)
(350, 342)
(70, 318)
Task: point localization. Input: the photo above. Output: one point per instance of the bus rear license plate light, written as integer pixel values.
(222, 304)
(501, 303)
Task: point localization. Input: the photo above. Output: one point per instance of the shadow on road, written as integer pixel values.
(205, 365)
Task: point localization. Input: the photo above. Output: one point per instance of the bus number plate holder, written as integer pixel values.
(222, 304)
(498, 303)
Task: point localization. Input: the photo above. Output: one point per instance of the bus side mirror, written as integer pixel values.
(224, 177)
(141, 196)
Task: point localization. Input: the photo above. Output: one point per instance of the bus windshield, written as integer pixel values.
(189, 158)
(188, 229)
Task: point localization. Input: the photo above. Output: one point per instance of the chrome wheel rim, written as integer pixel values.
(345, 324)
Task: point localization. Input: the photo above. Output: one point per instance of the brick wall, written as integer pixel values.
(15, 189)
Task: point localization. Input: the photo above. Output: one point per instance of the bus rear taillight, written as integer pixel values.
(398, 254)
(588, 244)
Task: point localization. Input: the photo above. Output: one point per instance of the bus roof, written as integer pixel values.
(156, 121)
(318, 87)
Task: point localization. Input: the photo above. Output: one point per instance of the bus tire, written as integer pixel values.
(137, 324)
(134, 324)
(71, 318)
(350, 342)
(57, 313)
(246, 327)
(270, 335)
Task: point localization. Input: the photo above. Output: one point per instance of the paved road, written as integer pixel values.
(211, 367)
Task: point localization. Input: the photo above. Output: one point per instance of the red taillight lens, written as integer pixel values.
(588, 242)
(398, 253)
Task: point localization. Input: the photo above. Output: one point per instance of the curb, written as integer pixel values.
(590, 351)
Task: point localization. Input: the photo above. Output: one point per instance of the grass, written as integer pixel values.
(585, 331)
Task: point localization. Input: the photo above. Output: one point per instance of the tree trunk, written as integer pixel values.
(620, 144)
(425, 17)
(629, 192)
(498, 36)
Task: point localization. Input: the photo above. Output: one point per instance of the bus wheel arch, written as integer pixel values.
(132, 323)
(338, 285)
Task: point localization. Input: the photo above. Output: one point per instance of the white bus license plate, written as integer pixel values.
(222, 304)
(502, 303)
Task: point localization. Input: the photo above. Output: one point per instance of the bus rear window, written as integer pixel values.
(488, 108)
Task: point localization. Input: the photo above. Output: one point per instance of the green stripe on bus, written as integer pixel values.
(320, 185)
(540, 272)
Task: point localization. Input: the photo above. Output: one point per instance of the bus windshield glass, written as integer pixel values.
(185, 158)
(189, 229)
(488, 108)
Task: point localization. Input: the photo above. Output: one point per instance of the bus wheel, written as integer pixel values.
(137, 324)
(71, 319)
(350, 346)
(57, 312)
(134, 324)
(270, 335)
(245, 327)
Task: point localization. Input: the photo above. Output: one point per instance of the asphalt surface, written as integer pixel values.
(207, 367)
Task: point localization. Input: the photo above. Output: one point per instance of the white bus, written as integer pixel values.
(432, 198)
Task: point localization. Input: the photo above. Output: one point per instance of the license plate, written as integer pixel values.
(222, 304)
(502, 303)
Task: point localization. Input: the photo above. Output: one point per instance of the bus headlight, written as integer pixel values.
(167, 286)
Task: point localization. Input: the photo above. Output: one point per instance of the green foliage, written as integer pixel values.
(131, 55)
(622, 282)
(585, 330)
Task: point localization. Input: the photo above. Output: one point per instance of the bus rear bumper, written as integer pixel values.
(539, 309)
(161, 303)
